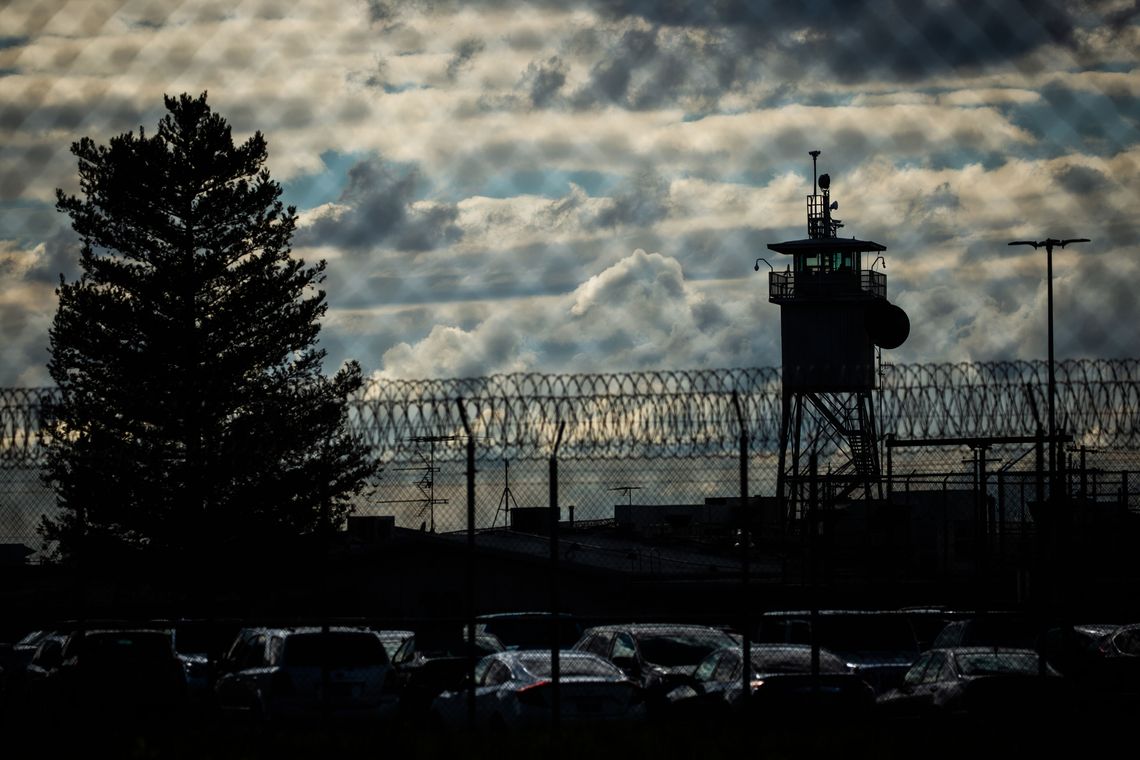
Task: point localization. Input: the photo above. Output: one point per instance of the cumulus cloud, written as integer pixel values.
(464, 52)
(628, 316)
(28, 278)
(380, 205)
(643, 201)
(869, 39)
(57, 256)
(543, 80)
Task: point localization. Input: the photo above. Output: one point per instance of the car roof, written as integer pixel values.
(518, 656)
(1099, 629)
(655, 627)
(1128, 627)
(522, 614)
(980, 649)
(801, 613)
(286, 631)
(508, 654)
(767, 647)
(113, 631)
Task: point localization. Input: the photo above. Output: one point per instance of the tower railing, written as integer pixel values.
(786, 286)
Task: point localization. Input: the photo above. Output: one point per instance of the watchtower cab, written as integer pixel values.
(833, 310)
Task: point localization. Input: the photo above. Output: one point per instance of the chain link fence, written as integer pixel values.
(643, 513)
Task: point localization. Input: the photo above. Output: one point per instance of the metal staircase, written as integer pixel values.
(851, 420)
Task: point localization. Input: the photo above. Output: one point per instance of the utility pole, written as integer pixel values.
(1049, 244)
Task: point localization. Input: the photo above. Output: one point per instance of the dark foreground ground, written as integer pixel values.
(1021, 737)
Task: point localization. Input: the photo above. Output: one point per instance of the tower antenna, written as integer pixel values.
(507, 499)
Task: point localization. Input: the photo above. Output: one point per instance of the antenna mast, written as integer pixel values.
(507, 499)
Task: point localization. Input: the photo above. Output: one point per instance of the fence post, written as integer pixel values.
(470, 601)
(947, 566)
(984, 509)
(1001, 515)
(888, 442)
(813, 546)
(745, 558)
(1084, 474)
(555, 607)
(326, 610)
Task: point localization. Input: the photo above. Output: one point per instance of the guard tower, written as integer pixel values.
(833, 314)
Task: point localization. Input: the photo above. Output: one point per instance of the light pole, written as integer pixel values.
(1049, 244)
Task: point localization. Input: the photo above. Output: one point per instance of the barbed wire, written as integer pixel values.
(691, 413)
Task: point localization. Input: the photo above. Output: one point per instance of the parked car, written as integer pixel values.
(433, 660)
(655, 656)
(781, 684)
(879, 645)
(393, 638)
(200, 644)
(1106, 668)
(1121, 641)
(531, 630)
(927, 621)
(1073, 649)
(993, 682)
(994, 629)
(25, 647)
(515, 689)
(39, 674)
(120, 672)
(18, 657)
(442, 640)
(305, 672)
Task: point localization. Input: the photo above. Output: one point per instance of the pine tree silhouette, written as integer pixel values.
(194, 412)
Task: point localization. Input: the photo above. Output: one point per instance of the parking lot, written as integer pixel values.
(628, 689)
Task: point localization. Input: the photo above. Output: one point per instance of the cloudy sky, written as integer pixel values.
(582, 186)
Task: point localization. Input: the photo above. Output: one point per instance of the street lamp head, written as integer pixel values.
(1049, 243)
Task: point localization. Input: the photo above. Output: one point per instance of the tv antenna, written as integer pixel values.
(628, 492)
(507, 499)
(425, 484)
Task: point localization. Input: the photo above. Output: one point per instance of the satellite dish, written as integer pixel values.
(887, 325)
(824, 181)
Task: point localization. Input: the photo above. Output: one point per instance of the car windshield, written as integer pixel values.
(342, 649)
(998, 663)
(570, 666)
(671, 648)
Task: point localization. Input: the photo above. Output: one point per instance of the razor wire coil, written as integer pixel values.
(691, 413)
